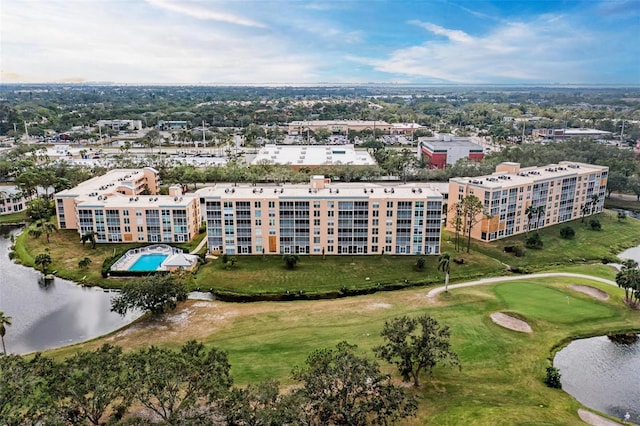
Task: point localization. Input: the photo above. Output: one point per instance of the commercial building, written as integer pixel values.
(341, 127)
(560, 134)
(557, 193)
(121, 124)
(311, 156)
(124, 206)
(322, 218)
(442, 150)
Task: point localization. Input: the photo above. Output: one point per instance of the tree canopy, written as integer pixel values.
(156, 293)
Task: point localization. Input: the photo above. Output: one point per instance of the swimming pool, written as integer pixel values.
(148, 262)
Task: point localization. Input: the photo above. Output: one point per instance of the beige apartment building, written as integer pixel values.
(123, 205)
(323, 218)
(565, 191)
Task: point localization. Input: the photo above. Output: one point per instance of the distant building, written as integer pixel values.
(322, 218)
(336, 127)
(405, 128)
(114, 208)
(555, 134)
(561, 190)
(121, 124)
(311, 156)
(172, 125)
(12, 200)
(443, 150)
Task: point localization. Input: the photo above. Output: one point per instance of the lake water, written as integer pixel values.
(603, 375)
(59, 314)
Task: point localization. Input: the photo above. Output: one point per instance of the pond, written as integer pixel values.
(58, 314)
(603, 374)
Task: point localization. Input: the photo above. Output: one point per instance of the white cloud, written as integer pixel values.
(203, 12)
(106, 41)
(544, 50)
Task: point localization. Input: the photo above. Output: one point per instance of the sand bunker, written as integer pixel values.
(591, 291)
(510, 322)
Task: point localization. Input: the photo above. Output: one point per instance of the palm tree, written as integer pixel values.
(444, 265)
(594, 202)
(584, 209)
(540, 212)
(48, 228)
(4, 320)
(529, 211)
(44, 260)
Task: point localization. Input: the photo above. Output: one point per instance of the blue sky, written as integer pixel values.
(306, 42)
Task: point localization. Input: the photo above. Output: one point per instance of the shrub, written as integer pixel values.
(518, 251)
(533, 241)
(509, 249)
(567, 233)
(553, 378)
(420, 264)
(225, 258)
(595, 225)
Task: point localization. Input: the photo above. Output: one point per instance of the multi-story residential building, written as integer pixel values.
(564, 191)
(124, 206)
(12, 200)
(555, 134)
(322, 217)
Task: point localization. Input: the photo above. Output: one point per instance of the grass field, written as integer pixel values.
(12, 218)
(587, 245)
(255, 274)
(502, 370)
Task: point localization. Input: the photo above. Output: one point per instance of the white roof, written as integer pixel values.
(351, 190)
(314, 155)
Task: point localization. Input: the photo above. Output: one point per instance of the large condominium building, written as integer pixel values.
(124, 206)
(563, 191)
(322, 217)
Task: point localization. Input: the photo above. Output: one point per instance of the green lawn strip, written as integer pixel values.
(618, 203)
(587, 245)
(13, 218)
(268, 274)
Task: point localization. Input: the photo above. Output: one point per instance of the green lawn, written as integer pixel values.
(312, 274)
(12, 218)
(501, 382)
(587, 245)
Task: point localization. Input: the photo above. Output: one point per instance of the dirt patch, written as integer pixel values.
(379, 306)
(510, 322)
(596, 293)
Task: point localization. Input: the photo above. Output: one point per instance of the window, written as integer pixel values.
(330, 204)
(330, 213)
(389, 204)
(316, 204)
(256, 204)
(272, 204)
(316, 222)
(389, 213)
(374, 222)
(376, 205)
(258, 213)
(258, 222)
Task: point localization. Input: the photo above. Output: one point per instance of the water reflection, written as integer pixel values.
(50, 316)
(603, 374)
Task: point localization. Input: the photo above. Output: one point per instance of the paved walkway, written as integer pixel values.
(434, 292)
(197, 249)
(595, 419)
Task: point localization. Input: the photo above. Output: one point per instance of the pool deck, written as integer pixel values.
(132, 256)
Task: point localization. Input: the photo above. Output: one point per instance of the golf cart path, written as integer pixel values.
(434, 292)
(585, 415)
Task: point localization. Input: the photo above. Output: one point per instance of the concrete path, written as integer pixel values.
(595, 419)
(197, 249)
(434, 292)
